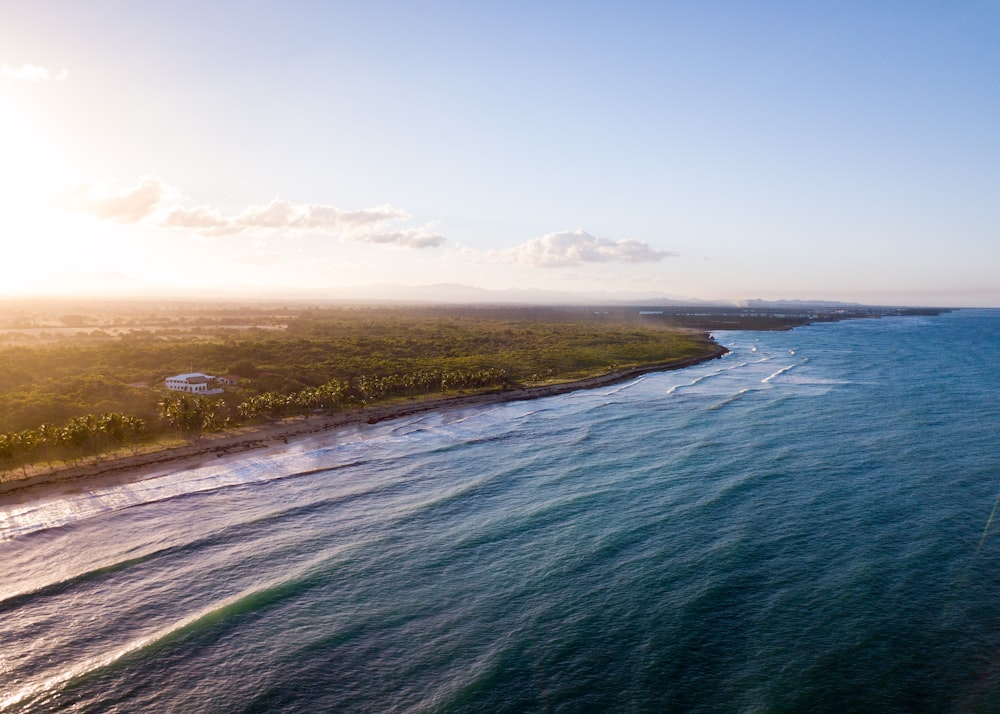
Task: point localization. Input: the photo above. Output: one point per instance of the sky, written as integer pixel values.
(726, 150)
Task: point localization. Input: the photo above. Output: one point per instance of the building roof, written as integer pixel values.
(192, 378)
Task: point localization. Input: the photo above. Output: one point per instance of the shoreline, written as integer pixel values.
(120, 470)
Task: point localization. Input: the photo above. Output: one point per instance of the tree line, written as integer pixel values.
(82, 437)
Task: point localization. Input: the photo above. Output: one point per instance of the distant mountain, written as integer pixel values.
(117, 285)
(798, 304)
(456, 293)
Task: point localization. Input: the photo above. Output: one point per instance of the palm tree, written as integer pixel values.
(48, 440)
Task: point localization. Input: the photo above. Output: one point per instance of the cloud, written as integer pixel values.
(129, 205)
(567, 249)
(202, 219)
(32, 73)
(280, 214)
(154, 201)
(411, 238)
(358, 225)
(335, 218)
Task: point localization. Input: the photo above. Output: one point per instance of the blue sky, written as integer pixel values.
(845, 151)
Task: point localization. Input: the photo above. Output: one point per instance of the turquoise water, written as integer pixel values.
(799, 526)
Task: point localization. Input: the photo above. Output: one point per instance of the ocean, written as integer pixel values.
(807, 524)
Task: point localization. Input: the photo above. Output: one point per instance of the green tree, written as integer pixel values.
(192, 415)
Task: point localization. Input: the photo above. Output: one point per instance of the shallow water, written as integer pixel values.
(799, 526)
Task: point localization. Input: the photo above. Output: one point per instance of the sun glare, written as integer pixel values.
(33, 176)
(29, 162)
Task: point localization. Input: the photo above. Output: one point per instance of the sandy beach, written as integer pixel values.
(284, 435)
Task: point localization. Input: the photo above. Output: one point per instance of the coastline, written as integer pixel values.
(126, 469)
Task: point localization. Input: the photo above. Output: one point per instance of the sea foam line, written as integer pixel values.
(625, 386)
(778, 373)
(730, 400)
(64, 511)
(698, 380)
(716, 373)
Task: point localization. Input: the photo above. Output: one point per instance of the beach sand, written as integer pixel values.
(282, 436)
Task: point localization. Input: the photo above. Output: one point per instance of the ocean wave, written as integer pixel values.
(624, 386)
(413, 425)
(733, 398)
(222, 535)
(721, 371)
(55, 514)
(698, 380)
(780, 372)
(230, 608)
(531, 413)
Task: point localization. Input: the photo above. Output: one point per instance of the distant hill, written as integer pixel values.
(119, 286)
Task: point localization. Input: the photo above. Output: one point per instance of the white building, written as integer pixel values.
(195, 383)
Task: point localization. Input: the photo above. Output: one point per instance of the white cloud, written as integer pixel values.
(280, 214)
(329, 217)
(410, 238)
(32, 73)
(573, 248)
(129, 205)
(155, 202)
(204, 220)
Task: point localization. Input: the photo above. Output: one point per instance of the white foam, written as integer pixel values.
(627, 385)
(778, 373)
(733, 398)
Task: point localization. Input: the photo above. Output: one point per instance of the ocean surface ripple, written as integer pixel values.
(804, 525)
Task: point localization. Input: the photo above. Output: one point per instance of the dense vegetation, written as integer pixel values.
(86, 395)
